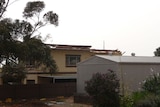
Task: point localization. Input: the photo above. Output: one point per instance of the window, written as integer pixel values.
(72, 60)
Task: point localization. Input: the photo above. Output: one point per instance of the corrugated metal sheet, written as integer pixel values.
(131, 59)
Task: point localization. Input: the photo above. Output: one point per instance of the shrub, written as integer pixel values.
(152, 84)
(126, 101)
(104, 89)
(150, 96)
(150, 100)
(13, 74)
(137, 96)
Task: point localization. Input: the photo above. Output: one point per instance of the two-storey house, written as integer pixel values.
(66, 58)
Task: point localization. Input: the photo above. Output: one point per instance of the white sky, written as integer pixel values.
(131, 26)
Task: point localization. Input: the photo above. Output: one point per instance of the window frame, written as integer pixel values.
(68, 59)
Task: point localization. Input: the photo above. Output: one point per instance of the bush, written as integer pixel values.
(152, 84)
(13, 74)
(104, 89)
(126, 101)
(150, 96)
(140, 99)
(137, 96)
(150, 100)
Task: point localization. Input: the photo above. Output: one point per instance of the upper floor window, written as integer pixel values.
(72, 60)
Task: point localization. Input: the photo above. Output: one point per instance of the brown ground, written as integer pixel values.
(58, 102)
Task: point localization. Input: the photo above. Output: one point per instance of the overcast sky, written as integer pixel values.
(131, 26)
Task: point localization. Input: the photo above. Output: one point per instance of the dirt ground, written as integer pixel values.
(57, 102)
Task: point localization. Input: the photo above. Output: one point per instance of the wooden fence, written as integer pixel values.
(30, 91)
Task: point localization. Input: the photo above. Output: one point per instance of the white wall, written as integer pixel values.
(86, 70)
(133, 74)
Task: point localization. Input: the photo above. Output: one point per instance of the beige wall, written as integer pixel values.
(59, 55)
(60, 58)
(33, 77)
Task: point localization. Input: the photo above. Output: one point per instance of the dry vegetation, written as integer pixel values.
(56, 102)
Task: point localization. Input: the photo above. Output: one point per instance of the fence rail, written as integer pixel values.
(37, 90)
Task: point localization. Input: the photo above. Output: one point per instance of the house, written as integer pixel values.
(66, 58)
(130, 70)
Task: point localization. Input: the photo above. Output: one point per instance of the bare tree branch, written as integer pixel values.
(4, 9)
(12, 2)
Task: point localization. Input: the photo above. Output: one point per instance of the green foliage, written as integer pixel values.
(157, 52)
(126, 101)
(134, 99)
(35, 51)
(51, 17)
(149, 100)
(21, 28)
(13, 74)
(104, 89)
(140, 99)
(152, 84)
(30, 48)
(14, 29)
(150, 96)
(140, 95)
(33, 8)
(8, 44)
(39, 53)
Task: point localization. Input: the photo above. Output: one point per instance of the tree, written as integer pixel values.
(104, 89)
(18, 35)
(3, 6)
(33, 11)
(13, 74)
(157, 52)
(40, 55)
(8, 44)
